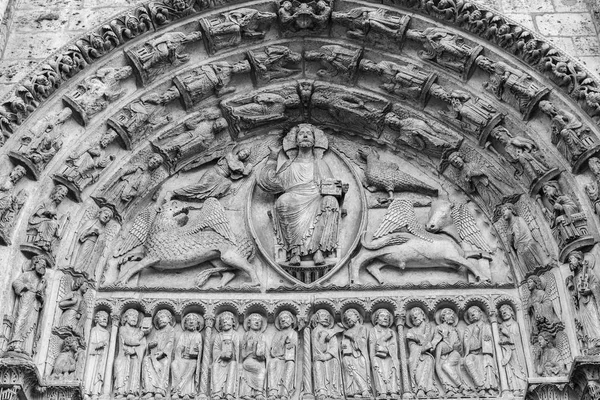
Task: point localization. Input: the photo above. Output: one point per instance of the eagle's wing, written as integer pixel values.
(468, 229)
(552, 292)
(212, 216)
(138, 233)
(401, 215)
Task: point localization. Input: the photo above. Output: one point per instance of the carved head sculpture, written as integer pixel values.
(155, 161)
(448, 316)
(591, 189)
(575, 260)
(474, 314)
(417, 316)
(131, 317)
(192, 322)
(544, 339)
(305, 136)
(39, 264)
(456, 160)
(507, 312)
(220, 124)
(226, 321)
(101, 319)
(286, 5)
(382, 317)
(551, 190)
(322, 317)
(71, 343)
(352, 318)
(594, 163)
(17, 173)
(80, 284)
(104, 215)
(108, 138)
(508, 211)
(254, 322)
(243, 154)
(547, 108)
(162, 319)
(284, 320)
(534, 282)
(58, 193)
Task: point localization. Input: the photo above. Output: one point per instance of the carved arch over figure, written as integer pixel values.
(149, 127)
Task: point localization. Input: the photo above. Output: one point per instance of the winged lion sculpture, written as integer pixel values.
(170, 239)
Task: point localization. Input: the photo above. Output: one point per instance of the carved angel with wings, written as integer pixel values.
(167, 238)
(547, 328)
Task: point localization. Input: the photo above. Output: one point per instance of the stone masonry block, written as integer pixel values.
(527, 6)
(12, 72)
(586, 46)
(88, 18)
(36, 45)
(47, 4)
(523, 19)
(565, 24)
(570, 5)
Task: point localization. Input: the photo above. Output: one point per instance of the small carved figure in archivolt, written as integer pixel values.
(335, 60)
(157, 360)
(563, 213)
(39, 145)
(45, 226)
(386, 176)
(421, 362)
(447, 345)
(67, 362)
(209, 80)
(30, 290)
(97, 229)
(229, 28)
(298, 16)
(225, 357)
(97, 356)
(401, 241)
(512, 357)
(547, 358)
(131, 344)
(166, 238)
(133, 181)
(327, 371)
(383, 350)
(361, 21)
(356, 364)
(530, 253)
(153, 57)
(187, 358)
(525, 155)
(275, 62)
(281, 375)
(83, 168)
(512, 85)
(96, 92)
(195, 136)
(571, 137)
(584, 286)
(404, 80)
(479, 352)
(11, 202)
(446, 49)
(74, 306)
(253, 357)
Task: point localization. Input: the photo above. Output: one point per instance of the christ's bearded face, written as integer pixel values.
(305, 137)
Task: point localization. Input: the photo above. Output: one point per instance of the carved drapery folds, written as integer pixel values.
(452, 349)
(308, 94)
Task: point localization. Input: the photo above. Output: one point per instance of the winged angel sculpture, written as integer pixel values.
(170, 239)
(402, 241)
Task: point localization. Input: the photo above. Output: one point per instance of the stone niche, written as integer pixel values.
(301, 200)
